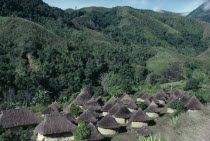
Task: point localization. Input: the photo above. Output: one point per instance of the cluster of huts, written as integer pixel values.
(104, 118)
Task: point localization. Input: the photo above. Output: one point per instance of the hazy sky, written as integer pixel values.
(170, 5)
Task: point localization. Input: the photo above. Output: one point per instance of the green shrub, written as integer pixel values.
(202, 95)
(74, 110)
(142, 106)
(178, 106)
(82, 132)
(192, 84)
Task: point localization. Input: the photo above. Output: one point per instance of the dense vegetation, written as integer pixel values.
(49, 54)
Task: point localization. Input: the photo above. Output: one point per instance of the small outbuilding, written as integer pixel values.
(122, 115)
(194, 104)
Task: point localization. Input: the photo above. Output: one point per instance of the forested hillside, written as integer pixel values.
(49, 54)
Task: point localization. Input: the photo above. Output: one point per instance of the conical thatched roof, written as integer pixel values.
(152, 108)
(126, 99)
(144, 131)
(55, 106)
(141, 94)
(18, 117)
(95, 135)
(82, 98)
(49, 110)
(139, 116)
(132, 105)
(112, 99)
(160, 96)
(123, 112)
(117, 100)
(115, 108)
(70, 117)
(107, 106)
(178, 93)
(87, 116)
(120, 95)
(92, 105)
(55, 123)
(145, 96)
(172, 98)
(184, 99)
(108, 122)
(194, 104)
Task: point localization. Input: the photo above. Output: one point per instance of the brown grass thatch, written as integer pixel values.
(126, 99)
(55, 123)
(139, 116)
(194, 104)
(166, 91)
(144, 131)
(70, 117)
(132, 105)
(171, 99)
(152, 108)
(95, 135)
(18, 117)
(49, 110)
(82, 98)
(152, 98)
(87, 116)
(107, 106)
(141, 94)
(145, 96)
(160, 96)
(108, 122)
(178, 93)
(123, 112)
(184, 99)
(114, 109)
(92, 105)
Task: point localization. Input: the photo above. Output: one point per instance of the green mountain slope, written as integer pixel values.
(202, 12)
(51, 53)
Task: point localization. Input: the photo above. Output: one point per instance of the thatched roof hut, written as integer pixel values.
(139, 116)
(152, 98)
(82, 98)
(145, 96)
(123, 112)
(147, 102)
(55, 123)
(107, 106)
(55, 106)
(67, 109)
(171, 99)
(18, 117)
(95, 135)
(92, 105)
(132, 105)
(112, 99)
(184, 99)
(121, 95)
(144, 131)
(114, 109)
(160, 96)
(178, 93)
(152, 108)
(194, 104)
(87, 116)
(126, 99)
(108, 122)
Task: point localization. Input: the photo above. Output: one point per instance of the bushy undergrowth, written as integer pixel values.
(178, 106)
(82, 132)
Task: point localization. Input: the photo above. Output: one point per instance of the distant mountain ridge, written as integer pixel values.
(201, 13)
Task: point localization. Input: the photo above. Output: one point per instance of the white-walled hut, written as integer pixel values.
(15, 118)
(139, 119)
(108, 126)
(95, 135)
(105, 109)
(55, 125)
(122, 115)
(152, 110)
(82, 98)
(194, 104)
(161, 98)
(139, 97)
